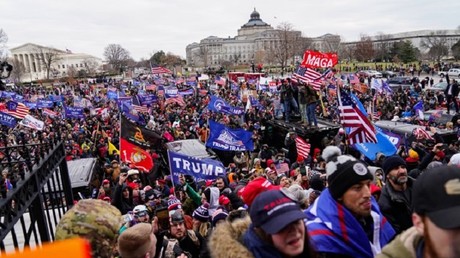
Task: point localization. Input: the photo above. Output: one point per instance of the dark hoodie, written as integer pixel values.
(123, 204)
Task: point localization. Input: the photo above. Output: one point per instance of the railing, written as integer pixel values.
(41, 191)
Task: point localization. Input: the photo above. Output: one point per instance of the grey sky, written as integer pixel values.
(145, 26)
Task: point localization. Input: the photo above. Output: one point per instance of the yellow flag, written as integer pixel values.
(112, 148)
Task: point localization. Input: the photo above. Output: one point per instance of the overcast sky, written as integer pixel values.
(145, 26)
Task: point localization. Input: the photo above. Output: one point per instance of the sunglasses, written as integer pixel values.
(140, 214)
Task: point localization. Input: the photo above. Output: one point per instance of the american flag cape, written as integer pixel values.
(420, 134)
(361, 129)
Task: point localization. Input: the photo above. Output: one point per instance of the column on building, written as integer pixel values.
(38, 62)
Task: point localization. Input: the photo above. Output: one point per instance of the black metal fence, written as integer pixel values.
(35, 191)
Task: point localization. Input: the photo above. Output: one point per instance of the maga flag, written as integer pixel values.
(315, 59)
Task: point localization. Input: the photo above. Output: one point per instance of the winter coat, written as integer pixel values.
(396, 209)
(226, 240)
(403, 246)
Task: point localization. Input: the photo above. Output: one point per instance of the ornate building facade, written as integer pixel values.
(37, 60)
(250, 45)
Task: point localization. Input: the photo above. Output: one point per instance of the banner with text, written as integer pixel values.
(227, 139)
(207, 169)
(315, 59)
(221, 106)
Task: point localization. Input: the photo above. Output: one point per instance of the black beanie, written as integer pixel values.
(392, 162)
(343, 171)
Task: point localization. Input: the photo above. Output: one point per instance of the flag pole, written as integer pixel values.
(172, 176)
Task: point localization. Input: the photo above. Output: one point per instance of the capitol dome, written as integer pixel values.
(255, 20)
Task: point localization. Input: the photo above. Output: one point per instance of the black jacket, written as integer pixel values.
(396, 209)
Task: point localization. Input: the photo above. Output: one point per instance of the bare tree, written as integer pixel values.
(286, 45)
(3, 40)
(383, 45)
(47, 57)
(91, 66)
(202, 55)
(436, 44)
(116, 56)
(331, 43)
(364, 49)
(18, 69)
(72, 72)
(346, 52)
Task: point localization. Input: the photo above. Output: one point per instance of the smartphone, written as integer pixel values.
(163, 218)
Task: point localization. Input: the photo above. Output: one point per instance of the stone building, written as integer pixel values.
(37, 60)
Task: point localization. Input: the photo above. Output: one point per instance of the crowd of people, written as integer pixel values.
(330, 203)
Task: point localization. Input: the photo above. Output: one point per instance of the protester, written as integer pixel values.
(345, 220)
(94, 220)
(436, 230)
(396, 197)
(137, 241)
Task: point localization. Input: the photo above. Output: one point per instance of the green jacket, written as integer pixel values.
(403, 246)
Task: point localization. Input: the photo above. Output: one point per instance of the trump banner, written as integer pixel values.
(74, 112)
(7, 120)
(207, 169)
(315, 59)
(227, 139)
(219, 105)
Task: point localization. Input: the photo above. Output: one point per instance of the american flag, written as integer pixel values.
(219, 80)
(159, 70)
(142, 109)
(20, 112)
(375, 116)
(303, 148)
(309, 76)
(49, 112)
(354, 79)
(420, 134)
(362, 129)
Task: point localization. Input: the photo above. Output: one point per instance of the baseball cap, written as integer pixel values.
(436, 194)
(273, 210)
(254, 188)
(105, 181)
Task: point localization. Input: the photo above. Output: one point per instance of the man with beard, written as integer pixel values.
(396, 198)
(436, 230)
(345, 221)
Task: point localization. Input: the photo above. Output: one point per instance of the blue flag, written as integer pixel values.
(386, 144)
(11, 105)
(74, 112)
(200, 168)
(219, 105)
(7, 120)
(227, 139)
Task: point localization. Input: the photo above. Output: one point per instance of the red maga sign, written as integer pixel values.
(314, 59)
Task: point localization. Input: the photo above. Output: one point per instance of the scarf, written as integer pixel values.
(334, 229)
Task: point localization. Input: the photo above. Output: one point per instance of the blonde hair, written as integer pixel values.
(135, 241)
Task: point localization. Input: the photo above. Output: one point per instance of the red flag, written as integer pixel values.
(135, 155)
(315, 59)
(159, 70)
(303, 148)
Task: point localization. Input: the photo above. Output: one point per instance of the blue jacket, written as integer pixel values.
(333, 229)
